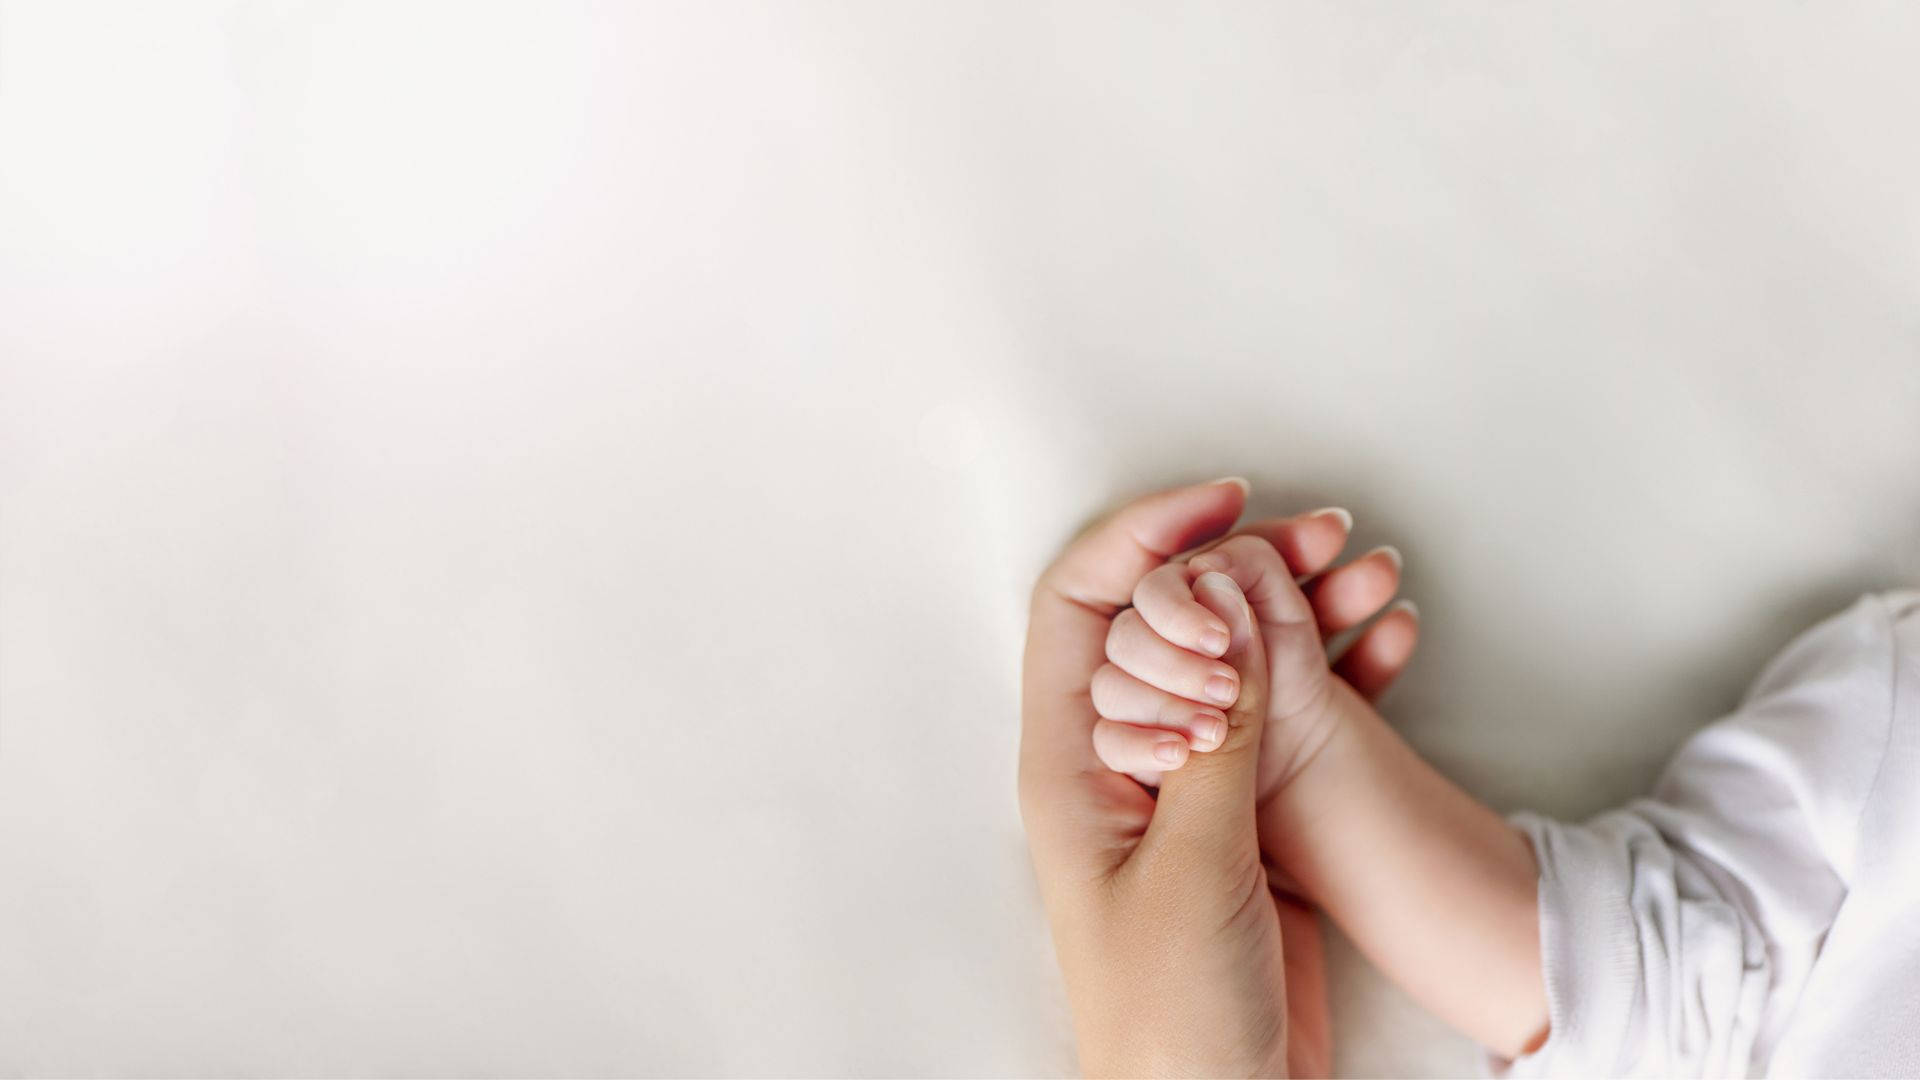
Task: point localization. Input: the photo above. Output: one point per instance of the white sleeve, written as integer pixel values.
(1677, 932)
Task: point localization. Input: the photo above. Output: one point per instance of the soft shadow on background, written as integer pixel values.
(514, 520)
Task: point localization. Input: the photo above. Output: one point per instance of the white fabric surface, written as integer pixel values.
(514, 520)
(1711, 928)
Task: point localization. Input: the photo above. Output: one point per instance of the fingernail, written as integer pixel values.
(1390, 552)
(1346, 519)
(1170, 751)
(1406, 606)
(1220, 690)
(1237, 481)
(1215, 642)
(1209, 732)
(1214, 581)
(1208, 563)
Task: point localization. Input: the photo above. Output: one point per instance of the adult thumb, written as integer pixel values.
(1206, 807)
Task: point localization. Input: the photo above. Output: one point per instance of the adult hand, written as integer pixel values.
(1176, 956)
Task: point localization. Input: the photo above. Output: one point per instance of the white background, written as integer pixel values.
(514, 520)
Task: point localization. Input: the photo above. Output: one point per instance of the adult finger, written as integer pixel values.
(1067, 630)
(1309, 1023)
(1378, 656)
(1349, 595)
(1308, 543)
(1100, 568)
(1204, 820)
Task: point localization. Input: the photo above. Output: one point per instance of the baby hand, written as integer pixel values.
(1164, 692)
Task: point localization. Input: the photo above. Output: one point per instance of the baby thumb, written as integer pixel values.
(1206, 807)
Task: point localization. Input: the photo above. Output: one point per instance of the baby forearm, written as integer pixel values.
(1432, 885)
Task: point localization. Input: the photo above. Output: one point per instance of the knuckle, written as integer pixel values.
(1173, 713)
(1102, 737)
(1105, 689)
(1140, 592)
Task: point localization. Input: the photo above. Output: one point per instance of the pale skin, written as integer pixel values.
(1428, 882)
(1184, 946)
(1181, 956)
